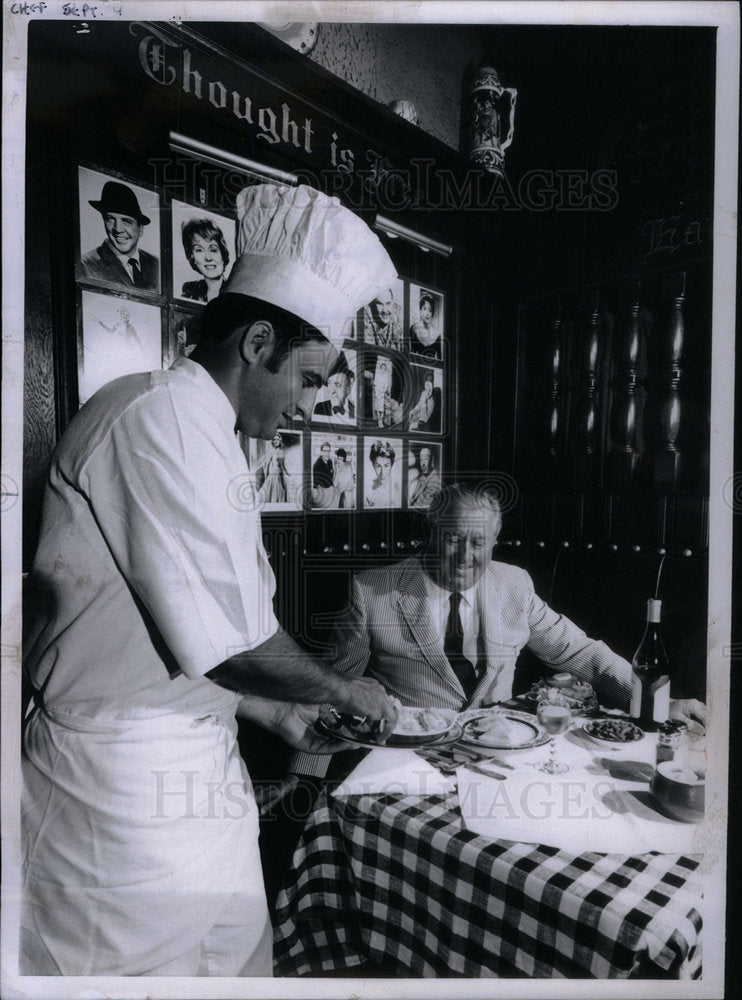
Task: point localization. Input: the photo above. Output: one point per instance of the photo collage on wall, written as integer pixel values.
(401, 336)
(374, 440)
(145, 266)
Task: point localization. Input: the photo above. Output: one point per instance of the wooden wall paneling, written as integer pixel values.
(688, 522)
(39, 414)
(482, 349)
(519, 451)
(638, 519)
(557, 394)
(667, 378)
(623, 457)
(588, 452)
(50, 348)
(593, 520)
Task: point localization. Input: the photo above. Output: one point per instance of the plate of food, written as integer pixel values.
(613, 730)
(415, 727)
(565, 689)
(502, 729)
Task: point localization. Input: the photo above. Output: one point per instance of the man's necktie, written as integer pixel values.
(453, 647)
(136, 273)
(338, 409)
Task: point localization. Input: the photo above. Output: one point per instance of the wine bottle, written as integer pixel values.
(650, 673)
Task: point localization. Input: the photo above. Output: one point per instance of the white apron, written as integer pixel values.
(139, 835)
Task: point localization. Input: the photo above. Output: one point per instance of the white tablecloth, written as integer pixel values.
(390, 771)
(601, 804)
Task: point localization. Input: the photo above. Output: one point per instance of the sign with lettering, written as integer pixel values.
(267, 115)
(666, 236)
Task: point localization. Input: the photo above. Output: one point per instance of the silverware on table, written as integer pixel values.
(485, 771)
(496, 760)
(447, 767)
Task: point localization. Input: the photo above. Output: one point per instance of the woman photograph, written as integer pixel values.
(383, 488)
(272, 477)
(199, 273)
(426, 313)
(344, 481)
(207, 253)
(277, 475)
(118, 337)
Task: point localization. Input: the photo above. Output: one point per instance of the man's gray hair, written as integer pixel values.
(460, 496)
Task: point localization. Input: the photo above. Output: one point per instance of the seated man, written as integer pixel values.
(445, 629)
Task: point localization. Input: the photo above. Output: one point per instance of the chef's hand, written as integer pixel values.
(293, 722)
(366, 699)
(690, 711)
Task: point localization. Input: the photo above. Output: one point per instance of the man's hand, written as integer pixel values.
(293, 722)
(366, 698)
(690, 711)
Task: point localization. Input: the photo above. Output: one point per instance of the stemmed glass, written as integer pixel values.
(555, 718)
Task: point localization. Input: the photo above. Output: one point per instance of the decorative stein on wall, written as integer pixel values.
(405, 109)
(300, 35)
(491, 120)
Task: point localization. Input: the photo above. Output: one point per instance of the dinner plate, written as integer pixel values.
(395, 742)
(526, 732)
(632, 732)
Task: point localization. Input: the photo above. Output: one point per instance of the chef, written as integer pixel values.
(152, 626)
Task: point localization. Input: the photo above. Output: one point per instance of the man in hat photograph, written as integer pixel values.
(119, 259)
(151, 622)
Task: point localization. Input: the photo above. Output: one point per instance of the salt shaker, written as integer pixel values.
(669, 735)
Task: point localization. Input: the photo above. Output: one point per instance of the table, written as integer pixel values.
(398, 878)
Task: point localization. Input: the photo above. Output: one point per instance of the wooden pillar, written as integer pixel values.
(666, 466)
(587, 431)
(624, 456)
(555, 430)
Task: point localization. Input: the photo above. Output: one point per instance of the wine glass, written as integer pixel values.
(555, 717)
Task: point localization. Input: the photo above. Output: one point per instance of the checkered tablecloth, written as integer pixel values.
(398, 879)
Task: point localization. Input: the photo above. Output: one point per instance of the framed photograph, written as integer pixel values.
(337, 402)
(426, 312)
(388, 389)
(426, 413)
(424, 473)
(118, 232)
(382, 472)
(382, 321)
(277, 471)
(334, 472)
(116, 336)
(203, 251)
(184, 332)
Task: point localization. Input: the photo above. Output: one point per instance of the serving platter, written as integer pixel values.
(525, 730)
(396, 742)
(617, 732)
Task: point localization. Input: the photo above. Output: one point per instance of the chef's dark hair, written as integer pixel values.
(230, 311)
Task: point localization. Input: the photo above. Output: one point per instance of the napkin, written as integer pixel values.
(601, 804)
(390, 771)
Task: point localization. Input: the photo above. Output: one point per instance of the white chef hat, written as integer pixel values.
(305, 252)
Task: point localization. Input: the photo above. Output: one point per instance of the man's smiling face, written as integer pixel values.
(123, 232)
